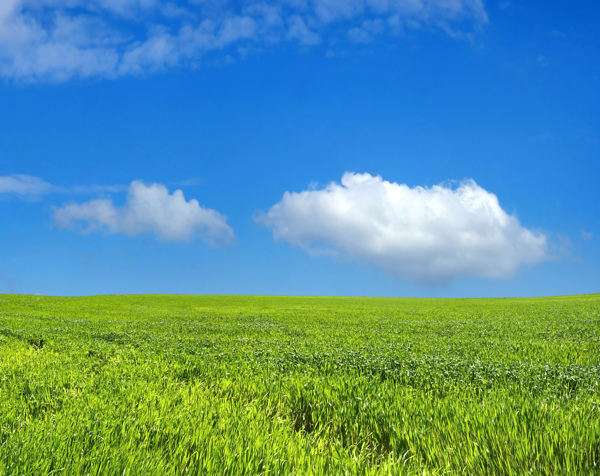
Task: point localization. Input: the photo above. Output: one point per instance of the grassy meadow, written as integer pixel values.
(161, 385)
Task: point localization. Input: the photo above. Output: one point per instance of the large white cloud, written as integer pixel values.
(61, 39)
(423, 235)
(148, 209)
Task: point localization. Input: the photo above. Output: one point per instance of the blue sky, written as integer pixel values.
(320, 147)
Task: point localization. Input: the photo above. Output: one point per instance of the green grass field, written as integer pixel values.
(162, 385)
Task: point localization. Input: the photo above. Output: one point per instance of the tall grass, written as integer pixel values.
(160, 385)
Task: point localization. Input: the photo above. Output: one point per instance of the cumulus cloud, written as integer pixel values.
(62, 39)
(423, 235)
(148, 209)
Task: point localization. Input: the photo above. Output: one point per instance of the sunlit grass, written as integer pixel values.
(274, 385)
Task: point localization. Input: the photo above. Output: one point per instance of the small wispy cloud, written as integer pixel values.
(541, 60)
(423, 235)
(586, 235)
(29, 187)
(148, 209)
(58, 40)
(25, 186)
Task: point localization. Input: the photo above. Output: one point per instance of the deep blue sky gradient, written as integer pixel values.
(517, 109)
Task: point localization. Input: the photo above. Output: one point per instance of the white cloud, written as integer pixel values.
(423, 235)
(62, 39)
(359, 35)
(148, 209)
(24, 185)
(586, 235)
(299, 31)
(30, 187)
(365, 33)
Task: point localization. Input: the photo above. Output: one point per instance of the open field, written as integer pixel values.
(275, 385)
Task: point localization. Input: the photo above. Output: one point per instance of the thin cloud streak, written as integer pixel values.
(25, 186)
(30, 187)
(57, 40)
